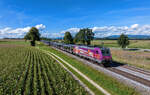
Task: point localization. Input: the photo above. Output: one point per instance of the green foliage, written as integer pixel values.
(89, 36)
(123, 41)
(27, 36)
(80, 37)
(33, 35)
(85, 36)
(68, 38)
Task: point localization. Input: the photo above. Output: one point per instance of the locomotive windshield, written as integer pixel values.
(105, 52)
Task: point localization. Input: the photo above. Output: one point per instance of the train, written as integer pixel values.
(100, 55)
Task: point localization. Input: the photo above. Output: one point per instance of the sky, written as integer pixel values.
(54, 17)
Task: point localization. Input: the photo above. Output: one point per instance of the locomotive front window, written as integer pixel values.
(105, 52)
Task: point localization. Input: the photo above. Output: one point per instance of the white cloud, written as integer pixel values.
(134, 26)
(40, 26)
(52, 35)
(71, 30)
(18, 32)
(106, 31)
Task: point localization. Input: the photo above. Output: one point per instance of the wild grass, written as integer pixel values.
(136, 58)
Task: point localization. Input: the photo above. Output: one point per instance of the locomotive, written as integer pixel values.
(95, 54)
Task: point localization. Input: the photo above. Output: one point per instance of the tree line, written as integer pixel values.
(84, 36)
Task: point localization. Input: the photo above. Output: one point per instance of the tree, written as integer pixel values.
(89, 36)
(33, 35)
(84, 36)
(80, 37)
(123, 41)
(27, 37)
(68, 38)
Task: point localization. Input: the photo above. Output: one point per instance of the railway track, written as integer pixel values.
(138, 78)
(131, 76)
(138, 70)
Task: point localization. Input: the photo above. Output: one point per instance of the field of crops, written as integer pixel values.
(28, 71)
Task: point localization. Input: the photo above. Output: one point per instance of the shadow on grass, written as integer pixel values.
(132, 49)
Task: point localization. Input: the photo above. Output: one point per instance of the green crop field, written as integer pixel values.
(145, 44)
(28, 71)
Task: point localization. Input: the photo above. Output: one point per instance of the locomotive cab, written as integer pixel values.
(106, 55)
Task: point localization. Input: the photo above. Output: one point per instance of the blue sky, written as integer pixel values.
(59, 15)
